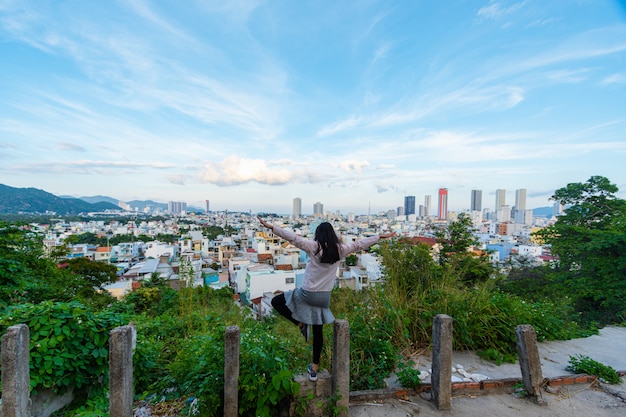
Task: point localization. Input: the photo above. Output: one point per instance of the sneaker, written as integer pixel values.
(306, 331)
(312, 373)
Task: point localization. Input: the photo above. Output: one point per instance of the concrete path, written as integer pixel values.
(584, 400)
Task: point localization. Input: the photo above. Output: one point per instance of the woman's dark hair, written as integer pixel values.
(328, 243)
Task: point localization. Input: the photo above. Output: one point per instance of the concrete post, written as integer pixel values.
(16, 372)
(341, 365)
(121, 344)
(441, 378)
(231, 372)
(529, 359)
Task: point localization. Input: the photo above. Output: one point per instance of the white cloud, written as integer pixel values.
(65, 146)
(235, 170)
(618, 78)
(347, 124)
(496, 10)
(353, 166)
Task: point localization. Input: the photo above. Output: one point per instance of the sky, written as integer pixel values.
(354, 104)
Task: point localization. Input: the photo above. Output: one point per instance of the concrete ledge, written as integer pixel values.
(488, 386)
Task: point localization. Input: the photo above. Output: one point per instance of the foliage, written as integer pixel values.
(331, 407)
(265, 380)
(496, 356)
(408, 376)
(266, 369)
(154, 300)
(519, 390)
(301, 404)
(96, 404)
(417, 288)
(86, 280)
(372, 349)
(68, 342)
(455, 242)
(590, 242)
(22, 266)
(581, 364)
(456, 238)
(351, 260)
(212, 232)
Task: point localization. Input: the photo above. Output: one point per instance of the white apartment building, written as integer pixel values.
(268, 280)
(532, 251)
(158, 249)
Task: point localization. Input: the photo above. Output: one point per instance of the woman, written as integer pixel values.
(308, 306)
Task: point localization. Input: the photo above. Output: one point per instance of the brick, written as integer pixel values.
(555, 382)
(401, 393)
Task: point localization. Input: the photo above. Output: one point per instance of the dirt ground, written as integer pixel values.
(580, 400)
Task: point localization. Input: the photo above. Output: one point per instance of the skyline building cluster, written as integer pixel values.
(502, 212)
(178, 207)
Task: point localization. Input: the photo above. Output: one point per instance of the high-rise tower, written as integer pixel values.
(297, 208)
(443, 203)
(500, 198)
(477, 200)
(520, 199)
(318, 209)
(409, 205)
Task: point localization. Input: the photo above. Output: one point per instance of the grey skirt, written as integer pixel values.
(310, 307)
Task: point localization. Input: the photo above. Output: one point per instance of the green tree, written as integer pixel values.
(455, 242)
(456, 239)
(590, 242)
(351, 260)
(85, 280)
(25, 273)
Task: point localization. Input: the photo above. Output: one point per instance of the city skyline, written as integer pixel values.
(354, 105)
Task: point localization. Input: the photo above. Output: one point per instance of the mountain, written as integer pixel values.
(542, 212)
(32, 200)
(100, 199)
(137, 205)
(140, 205)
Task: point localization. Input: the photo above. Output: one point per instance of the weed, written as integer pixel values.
(331, 408)
(407, 375)
(519, 390)
(496, 356)
(302, 404)
(581, 364)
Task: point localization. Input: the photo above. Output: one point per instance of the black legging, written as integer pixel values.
(280, 304)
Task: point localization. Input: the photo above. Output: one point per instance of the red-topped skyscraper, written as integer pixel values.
(443, 203)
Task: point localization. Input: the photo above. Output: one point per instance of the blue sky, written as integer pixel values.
(354, 104)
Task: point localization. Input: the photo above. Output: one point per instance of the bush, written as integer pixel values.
(581, 364)
(68, 343)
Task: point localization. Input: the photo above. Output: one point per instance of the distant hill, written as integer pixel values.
(32, 200)
(140, 205)
(100, 199)
(542, 212)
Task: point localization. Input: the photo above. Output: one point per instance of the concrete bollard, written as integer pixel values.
(341, 365)
(441, 378)
(231, 371)
(16, 372)
(529, 360)
(121, 345)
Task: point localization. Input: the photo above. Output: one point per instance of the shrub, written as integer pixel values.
(581, 364)
(68, 343)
